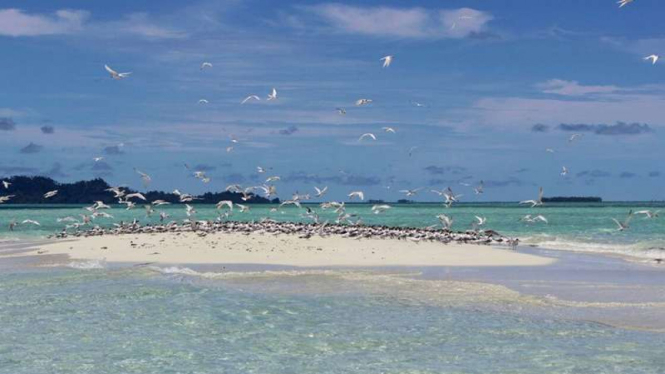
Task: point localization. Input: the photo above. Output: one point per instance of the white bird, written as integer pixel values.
(648, 213)
(4, 199)
(224, 203)
(446, 221)
(387, 60)
(358, 194)
(411, 150)
(321, 191)
(549, 150)
(272, 95)
(145, 177)
(564, 171)
(410, 192)
(6, 184)
(260, 170)
(137, 195)
(481, 220)
(189, 210)
(273, 179)
(50, 194)
(203, 101)
(229, 149)
(537, 202)
(97, 159)
(243, 208)
(32, 222)
(417, 104)
(621, 226)
(361, 102)
(623, 3)
(378, 209)
(115, 74)
(388, 129)
(480, 189)
(160, 202)
(251, 97)
(653, 58)
(367, 135)
(341, 111)
(206, 65)
(573, 137)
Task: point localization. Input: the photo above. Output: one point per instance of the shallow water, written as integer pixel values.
(142, 321)
(574, 227)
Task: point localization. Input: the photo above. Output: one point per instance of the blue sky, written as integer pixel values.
(500, 82)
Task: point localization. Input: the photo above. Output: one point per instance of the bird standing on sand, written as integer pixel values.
(115, 74)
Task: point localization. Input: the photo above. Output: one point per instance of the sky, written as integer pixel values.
(477, 90)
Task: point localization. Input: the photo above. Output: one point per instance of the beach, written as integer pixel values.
(283, 249)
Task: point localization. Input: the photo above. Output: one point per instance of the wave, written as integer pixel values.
(649, 250)
(87, 265)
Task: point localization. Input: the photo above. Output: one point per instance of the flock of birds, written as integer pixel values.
(268, 188)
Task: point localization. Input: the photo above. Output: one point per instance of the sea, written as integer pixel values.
(93, 317)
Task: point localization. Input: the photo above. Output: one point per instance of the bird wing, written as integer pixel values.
(113, 72)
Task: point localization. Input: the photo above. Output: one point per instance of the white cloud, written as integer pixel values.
(14, 22)
(573, 88)
(403, 22)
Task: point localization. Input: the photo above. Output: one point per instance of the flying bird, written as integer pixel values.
(623, 3)
(50, 194)
(203, 101)
(564, 171)
(410, 192)
(361, 102)
(537, 202)
(6, 184)
(387, 60)
(145, 177)
(621, 226)
(358, 194)
(115, 74)
(272, 95)
(653, 58)
(97, 159)
(206, 65)
(388, 129)
(251, 97)
(574, 137)
(32, 222)
(649, 214)
(321, 191)
(341, 111)
(367, 135)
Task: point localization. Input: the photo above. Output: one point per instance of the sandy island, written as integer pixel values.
(283, 249)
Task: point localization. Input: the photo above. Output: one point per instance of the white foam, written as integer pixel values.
(642, 250)
(88, 265)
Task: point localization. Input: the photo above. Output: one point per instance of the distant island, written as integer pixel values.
(572, 199)
(31, 190)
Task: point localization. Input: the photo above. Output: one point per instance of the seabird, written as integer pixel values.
(272, 95)
(387, 60)
(251, 97)
(115, 74)
(537, 202)
(367, 135)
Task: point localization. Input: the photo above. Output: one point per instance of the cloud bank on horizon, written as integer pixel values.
(476, 91)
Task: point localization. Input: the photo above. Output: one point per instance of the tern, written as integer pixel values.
(480, 189)
(621, 226)
(6, 184)
(341, 111)
(97, 159)
(145, 177)
(387, 60)
(481, 220)
(378, 209)
(446, 221)
(648, 213)
(367, 135)
(564, 171)
(224, 203)
(623, 3)
(321, 191)
(537, 202)
(411, 192)
(388, 129)
(361, 102)
(574, 137)
(32, 222)
(358, 194)
(272, 95)
(206, 65)
(137, 195)
(251, 97)
(50, 194)
(189, 210)
(203, 101)
(273, 179)
(653, 58)
(115, 74)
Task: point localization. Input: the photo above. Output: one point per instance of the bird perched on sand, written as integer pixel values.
(387, 60)
(653, 58)
(623, 3)
(361, 102)
(367, 135)
(358, 194)
(537, 202)
(206, 65)
(272, 95)
(50, 194)
(251, 97)
(115, 74)
(621, 226)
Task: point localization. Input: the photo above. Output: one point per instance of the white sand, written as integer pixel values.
(219, 248)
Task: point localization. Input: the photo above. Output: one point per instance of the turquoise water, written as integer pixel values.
(140, 321)
(576, 227)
